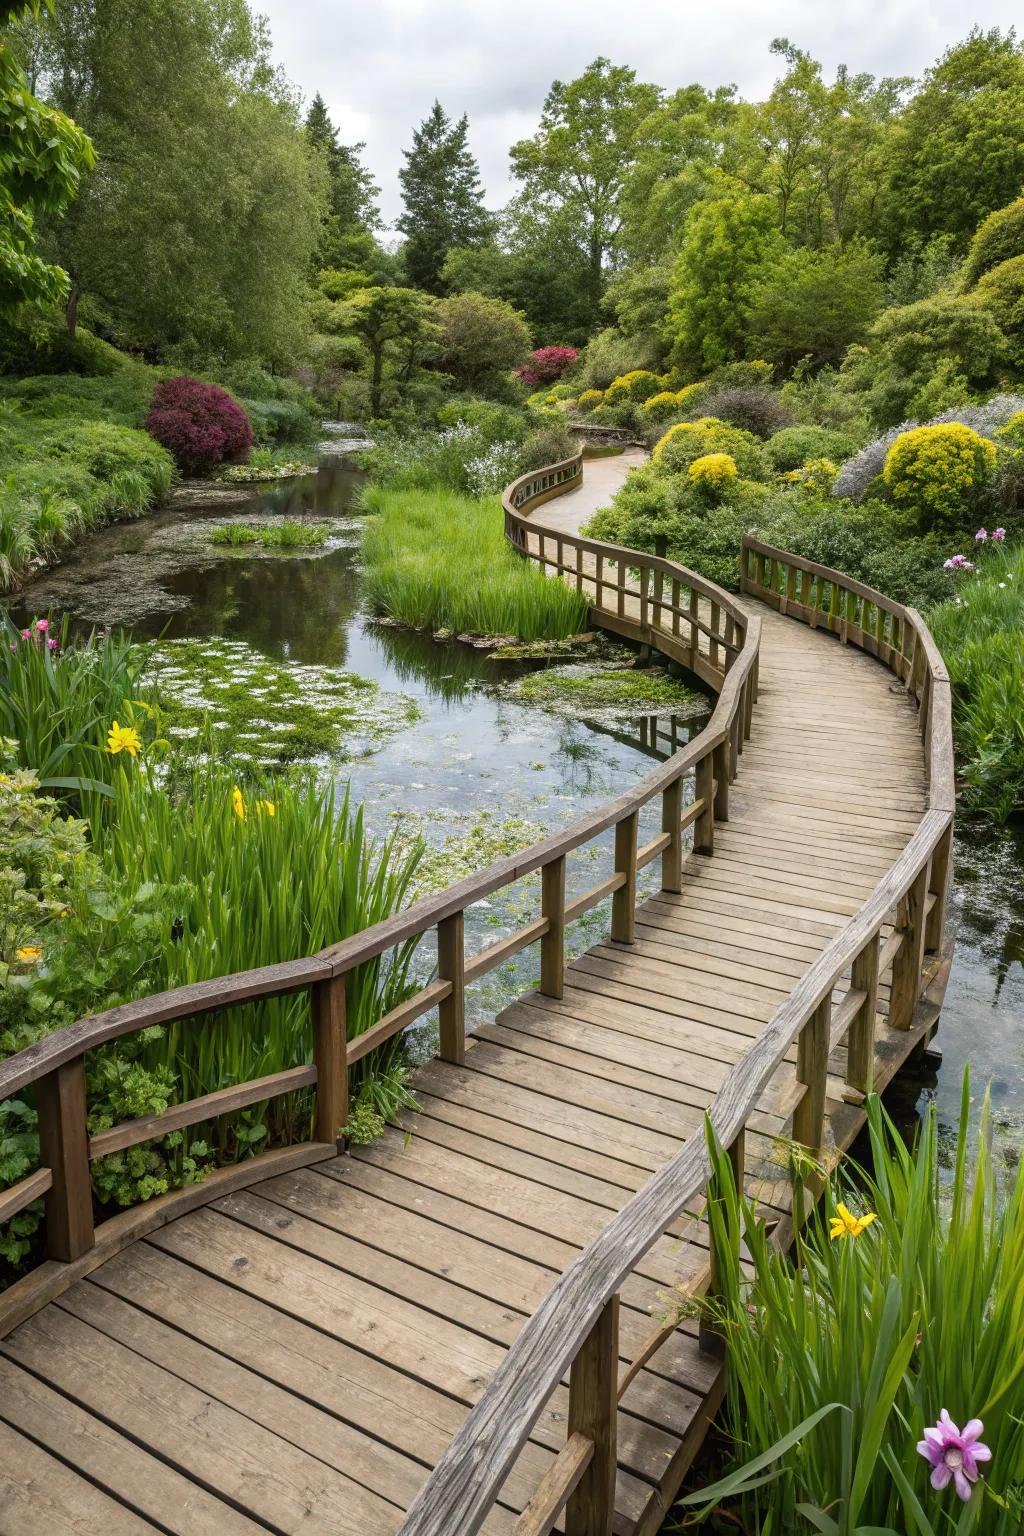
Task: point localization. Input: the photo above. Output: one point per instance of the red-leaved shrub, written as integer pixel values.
(547, 365)
(199, 424)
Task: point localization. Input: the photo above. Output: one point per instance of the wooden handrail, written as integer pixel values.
(464, 1484)
(55, 1064)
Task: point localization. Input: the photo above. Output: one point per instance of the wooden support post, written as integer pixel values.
(721, 762)
(708, 1336)
(860, 1041)
(790, 593)
(938, 886)
(671, 819)
(599, 583)
(749, 694)
(713, 646)
(704, 826)
(644, 575)
(330, 1051)
(552, 944)
(694, 631)
(658, 599)
(812, 1070)
(624, 899)
(734, 745)
(909, 962)
(593, 1412)
(451, 966)
(675, 606)
(64, 1149)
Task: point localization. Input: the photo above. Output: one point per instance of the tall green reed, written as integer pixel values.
(838, 1361)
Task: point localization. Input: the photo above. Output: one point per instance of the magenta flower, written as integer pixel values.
(26, 634)
(52, 644)
(981, 536)
(999, 535)
(42, 625)
(957, 563)
(954, 1454)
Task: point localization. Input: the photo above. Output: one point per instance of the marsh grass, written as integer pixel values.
(837, 1362)
(288, 533)
(437, 560)
(981, 636)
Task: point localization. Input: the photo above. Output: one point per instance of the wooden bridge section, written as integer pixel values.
(296, 1343)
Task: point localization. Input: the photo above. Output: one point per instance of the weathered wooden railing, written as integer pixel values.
(724, 648)
(575, 1329)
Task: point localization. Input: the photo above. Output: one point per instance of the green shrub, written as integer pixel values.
(1001, 291)
(548, 446)
(104, 450)
(998, 238)
(638, 385)
(686, 441)
(495, 423)
(794, 446)
(939, 472)
(753, 407)
(441, 562)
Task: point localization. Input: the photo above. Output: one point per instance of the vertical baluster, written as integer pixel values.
(812, 1071)
(671, 817)
(624, 899)
(552, 945)
(909, 962)
(713, 647)
(657, 599)
(64, 1149)
(330, 1052)
(704, 826)
(860, 1041)
(730, 639)
(694, 631)
(790, 593)
(675, 605)
(593, 1412)
(721, 760)
(600, 581)
(709, 1338)
(451, 966)
(938, 886)
(623, 576)
(644, 573)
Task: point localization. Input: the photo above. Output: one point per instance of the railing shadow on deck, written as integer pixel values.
(687, 619)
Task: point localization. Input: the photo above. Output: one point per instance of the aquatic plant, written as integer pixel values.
(441, 561)
(284, 533)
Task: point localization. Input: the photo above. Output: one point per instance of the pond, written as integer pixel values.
(437, 738)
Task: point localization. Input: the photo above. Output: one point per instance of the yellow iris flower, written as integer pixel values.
(124, 738)
(238, 803)
(268, 807)
(845, 1224)
(29, 954)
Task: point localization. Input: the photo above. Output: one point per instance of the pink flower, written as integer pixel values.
(981, 536)
(954, 1454)
(26, 634)
(42, 625)
(52, 644)
(999, 535)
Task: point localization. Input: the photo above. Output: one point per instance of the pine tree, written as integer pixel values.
(352, 211)
(443, 197)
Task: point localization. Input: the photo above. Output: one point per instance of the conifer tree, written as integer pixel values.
(443, 197)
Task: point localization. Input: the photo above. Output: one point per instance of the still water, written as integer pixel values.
(479, 773)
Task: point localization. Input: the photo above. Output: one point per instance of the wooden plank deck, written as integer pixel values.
(297, 1355)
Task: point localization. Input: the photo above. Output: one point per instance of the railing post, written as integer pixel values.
(704, 826)
(671, 822)
(722, 757)
(552, 945)
(451, 966)
(812, 1071)
(909, 962)
(64, 1149)
(713, 647)
(330, 1051)
(593, 1412)
(860, 1041)
(624, 899)
(694, 614)
(709, 1338)
(938, 886)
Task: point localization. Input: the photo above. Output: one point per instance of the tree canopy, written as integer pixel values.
(442, 195)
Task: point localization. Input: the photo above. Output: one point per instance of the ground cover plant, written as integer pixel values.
(287, 533)
(876, 1384)
(440, 561)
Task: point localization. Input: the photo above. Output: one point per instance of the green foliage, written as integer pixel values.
(396, 327)
(998, 238)
(442, 196)
(548, 446)
(638, 385)
(1000, 290)
(794, 446)
(816, 303)
(444, 460)
(351, 211)
(939, 473)
(689, 440)
(287, 533)
(839, 1362)
(928, 356)
(981, 635)
(440, 561)
(480, 339)
(728, 243)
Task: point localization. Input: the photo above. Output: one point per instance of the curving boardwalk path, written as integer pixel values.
(297, 1355)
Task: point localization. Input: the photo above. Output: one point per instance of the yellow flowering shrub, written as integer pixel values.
(938, 471)
(637, 385)
(676, 450)
(820, 473)
(712, 471)
(590, 399)
(669, 402)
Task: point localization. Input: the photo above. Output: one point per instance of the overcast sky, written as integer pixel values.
(380, 63)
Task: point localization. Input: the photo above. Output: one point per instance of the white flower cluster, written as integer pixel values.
(493, 469)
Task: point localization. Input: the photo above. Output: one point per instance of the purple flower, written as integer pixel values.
(981, 536)
(52, 644)
(954, 1454)
(957, 563)
(999, 535)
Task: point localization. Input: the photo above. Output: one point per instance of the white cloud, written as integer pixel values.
(379, 66)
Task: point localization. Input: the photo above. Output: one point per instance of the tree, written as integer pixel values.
(728, 242)
(203, 167)
(816, 304)
(577, 161)
(481, 338)
(395, 325)
(957, 153)
(443, 197)
(351, 212)
(42, 158)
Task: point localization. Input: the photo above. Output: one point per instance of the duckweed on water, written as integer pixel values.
(625, 690)
(268, 712)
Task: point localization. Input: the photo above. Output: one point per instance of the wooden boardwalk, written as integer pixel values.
(298, 1354)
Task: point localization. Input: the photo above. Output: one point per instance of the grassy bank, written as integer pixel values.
(437, 560)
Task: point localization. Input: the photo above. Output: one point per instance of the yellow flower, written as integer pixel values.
(846, 1224)
(29, 954)
(713, 470)
(123, 738)
(238, 803)
(267, 806)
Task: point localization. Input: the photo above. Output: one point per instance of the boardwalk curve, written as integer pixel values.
(479, 1292)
